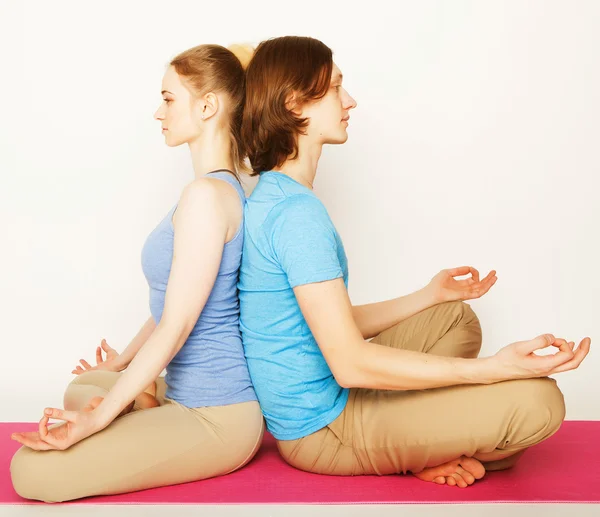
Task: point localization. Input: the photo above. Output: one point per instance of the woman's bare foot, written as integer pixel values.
(461, 472)
(151, 390)
(146, 401)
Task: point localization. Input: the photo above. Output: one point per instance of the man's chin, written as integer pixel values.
(339, 139)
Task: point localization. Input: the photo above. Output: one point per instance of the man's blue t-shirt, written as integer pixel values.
(289, 240)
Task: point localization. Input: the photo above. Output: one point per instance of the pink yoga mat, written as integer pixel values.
(563, 469)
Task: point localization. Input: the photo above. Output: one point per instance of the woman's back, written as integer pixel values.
(210, 368)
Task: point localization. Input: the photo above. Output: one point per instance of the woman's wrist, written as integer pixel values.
(120, 363)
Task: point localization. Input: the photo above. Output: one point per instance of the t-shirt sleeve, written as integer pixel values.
(303, 240)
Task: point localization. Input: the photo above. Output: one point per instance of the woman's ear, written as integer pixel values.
(209, 105)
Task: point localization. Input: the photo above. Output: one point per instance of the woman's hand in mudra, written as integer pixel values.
(112, 363)
(77, 426)
(444, 287)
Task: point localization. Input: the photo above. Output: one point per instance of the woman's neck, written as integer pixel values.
(211, 151)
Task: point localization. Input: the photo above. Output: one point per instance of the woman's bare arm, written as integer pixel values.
(125, 357)
(200, 231)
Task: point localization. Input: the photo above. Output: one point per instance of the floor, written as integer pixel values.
(471, 510)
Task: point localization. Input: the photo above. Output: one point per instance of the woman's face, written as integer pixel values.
(329, 115)
(180, 114)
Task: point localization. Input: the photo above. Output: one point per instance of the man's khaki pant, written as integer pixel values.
(388, 432)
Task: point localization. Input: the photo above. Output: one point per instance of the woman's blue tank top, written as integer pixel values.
(210, 368)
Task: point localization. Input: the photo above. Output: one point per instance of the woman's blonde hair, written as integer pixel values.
(215, 68)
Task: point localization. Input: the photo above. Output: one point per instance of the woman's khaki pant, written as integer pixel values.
(146, 448)
(387, 432)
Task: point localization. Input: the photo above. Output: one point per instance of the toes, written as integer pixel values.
(467, 476)
(440, 480)
(459, 480)
(450, 481)
(473, 466)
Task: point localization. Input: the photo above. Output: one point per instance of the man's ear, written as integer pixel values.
(291, 104)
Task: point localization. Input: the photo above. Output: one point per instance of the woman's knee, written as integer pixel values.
(33, 478)
(99, 378)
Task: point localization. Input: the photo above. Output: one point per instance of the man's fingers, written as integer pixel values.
(537, 343)
(459, 271)
(578, 356)
(550, 362)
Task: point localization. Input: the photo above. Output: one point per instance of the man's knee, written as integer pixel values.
(541, 409)
(463, 317)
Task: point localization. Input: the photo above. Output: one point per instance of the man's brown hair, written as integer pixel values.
(280, 68)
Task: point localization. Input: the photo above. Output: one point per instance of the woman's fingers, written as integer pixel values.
(32, 440)
(60, 414)
(98, 355)
(106, 347)
(43, 426)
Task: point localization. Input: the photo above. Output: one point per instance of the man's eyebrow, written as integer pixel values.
(165, 91)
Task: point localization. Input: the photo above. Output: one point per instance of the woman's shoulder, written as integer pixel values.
(202, 198)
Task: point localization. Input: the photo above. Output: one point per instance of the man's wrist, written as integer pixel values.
(429, 297)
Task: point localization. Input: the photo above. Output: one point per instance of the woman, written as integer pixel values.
(415, 398)
(208, 421)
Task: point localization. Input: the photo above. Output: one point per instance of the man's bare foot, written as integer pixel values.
(461, 472)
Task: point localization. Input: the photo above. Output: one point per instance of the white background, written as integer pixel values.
(475, 142)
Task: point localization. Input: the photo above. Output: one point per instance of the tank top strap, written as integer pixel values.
(232, 180)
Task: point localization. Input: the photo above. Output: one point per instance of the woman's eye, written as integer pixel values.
(166, 100)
